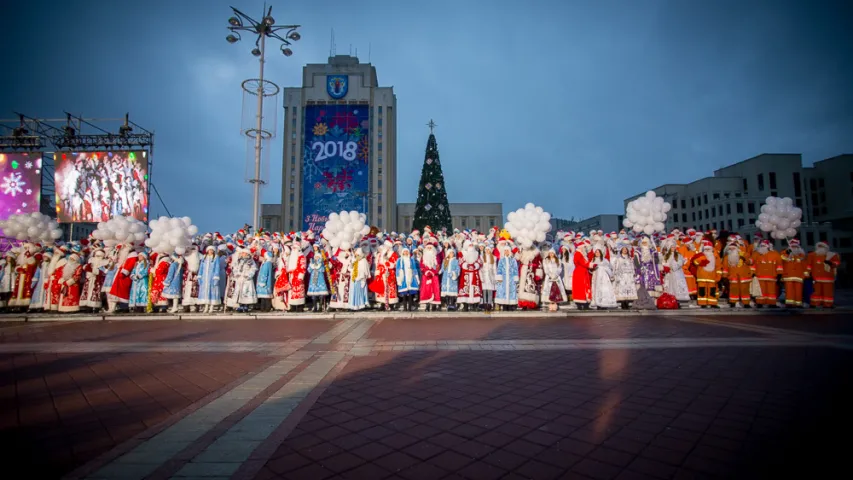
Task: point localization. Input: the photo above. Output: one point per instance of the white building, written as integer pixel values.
(362, 89)
(607, 222)
(464, 216)
(731, 200)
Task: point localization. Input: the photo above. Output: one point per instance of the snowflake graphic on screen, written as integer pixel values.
(28, 165)
(29, 191)
(12, 185)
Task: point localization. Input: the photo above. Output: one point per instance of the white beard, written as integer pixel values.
(97, 263)
(527, 256)
(193, 260)
(798, 251)
(763, 250)
(733, 256)
(293, 260)
(645, 254)
(69, 268)
(711, 262)
(821, 251)
(429, 258)
(470, 255)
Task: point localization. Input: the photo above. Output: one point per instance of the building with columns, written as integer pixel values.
(348, 92)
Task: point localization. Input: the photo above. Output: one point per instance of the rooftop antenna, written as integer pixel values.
(332, 50)
(356, 51)
(350, 49)
(368, 52)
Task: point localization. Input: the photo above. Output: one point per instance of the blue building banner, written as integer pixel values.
(336, 156)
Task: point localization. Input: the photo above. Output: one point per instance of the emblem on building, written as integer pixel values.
(337, 86)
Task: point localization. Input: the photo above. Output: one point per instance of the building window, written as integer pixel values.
(728, 209)
(813, 184)
(293, 135)
(739, 207)
(745, 185)
(822, 196)
(684, 217)
(750, 207)
(291, 197)
(760, 182)
(379, 183)
(379, 223)
(799, 203)
(379, 209)
(380, 146)
(692, 203)
(740, 222)
(820, 182)
(774, 193)
(730, 225)
(694, 216)
(379, 171)
(700, 214)
(477, 222)
(379, 160)
(772, 178)
(737, 195)
(823, 210)
(720, 210)
(379, 122)
(291, 210)
(713, 212)
(716, 196)
(380, 109)
(798, 192)
(809, 238)
(683, 204)
(464, 222)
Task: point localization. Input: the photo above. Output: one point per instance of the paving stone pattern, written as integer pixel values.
(590, 414)
(58, 411)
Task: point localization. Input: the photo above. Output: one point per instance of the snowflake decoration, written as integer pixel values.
(427, 207)
(320, 129)
(429, 161)
(29, 191)
(12, 184)
(28, 165)
(441, 207)
(428, 186)
(438, 185)
(24, 205)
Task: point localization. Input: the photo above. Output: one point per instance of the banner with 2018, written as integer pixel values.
(336, 154)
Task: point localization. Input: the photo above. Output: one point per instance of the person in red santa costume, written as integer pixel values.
(160, 270)
(384, 283)
(54, 286)
(95, 271)
(430, 293)
(120, 291)
(581, 277)
(529, 278)
(296, 269)
(25, 267)
(470, 283)
(70, 283)
(282, 284)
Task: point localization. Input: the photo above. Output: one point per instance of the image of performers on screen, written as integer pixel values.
(96, 186)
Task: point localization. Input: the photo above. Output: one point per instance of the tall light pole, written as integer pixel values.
(241, 22)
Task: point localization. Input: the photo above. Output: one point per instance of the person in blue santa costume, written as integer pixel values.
(318, 273)
(408, 279)
(265, 281)
(172, 284)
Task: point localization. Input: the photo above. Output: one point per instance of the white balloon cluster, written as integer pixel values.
(171, 235)
(31, 227)
(779, 217)
(345, 229)
(528, 225)
(119, 230)
(646, 214)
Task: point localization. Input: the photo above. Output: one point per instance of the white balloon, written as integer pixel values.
(627, 223)
(333, 216)
(192, 230)
(346, 245)
(651, 194)
(649, 229)
(180, 250)
(667, 207)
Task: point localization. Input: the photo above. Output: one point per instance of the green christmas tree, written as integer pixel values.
(432, 208)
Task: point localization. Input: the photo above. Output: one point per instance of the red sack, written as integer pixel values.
(667, 301)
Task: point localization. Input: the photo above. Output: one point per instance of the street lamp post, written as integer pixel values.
(241, 22)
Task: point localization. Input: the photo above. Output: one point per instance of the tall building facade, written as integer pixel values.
(340, 146)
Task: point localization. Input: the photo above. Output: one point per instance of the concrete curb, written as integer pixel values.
(690, 312)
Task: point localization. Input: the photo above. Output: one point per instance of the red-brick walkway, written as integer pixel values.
(58, 411)
(591, 397)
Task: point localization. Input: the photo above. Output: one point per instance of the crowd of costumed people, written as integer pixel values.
(168, 266)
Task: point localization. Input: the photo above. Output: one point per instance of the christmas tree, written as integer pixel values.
(432, 208)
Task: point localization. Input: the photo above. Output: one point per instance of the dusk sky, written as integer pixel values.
(573, 105)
